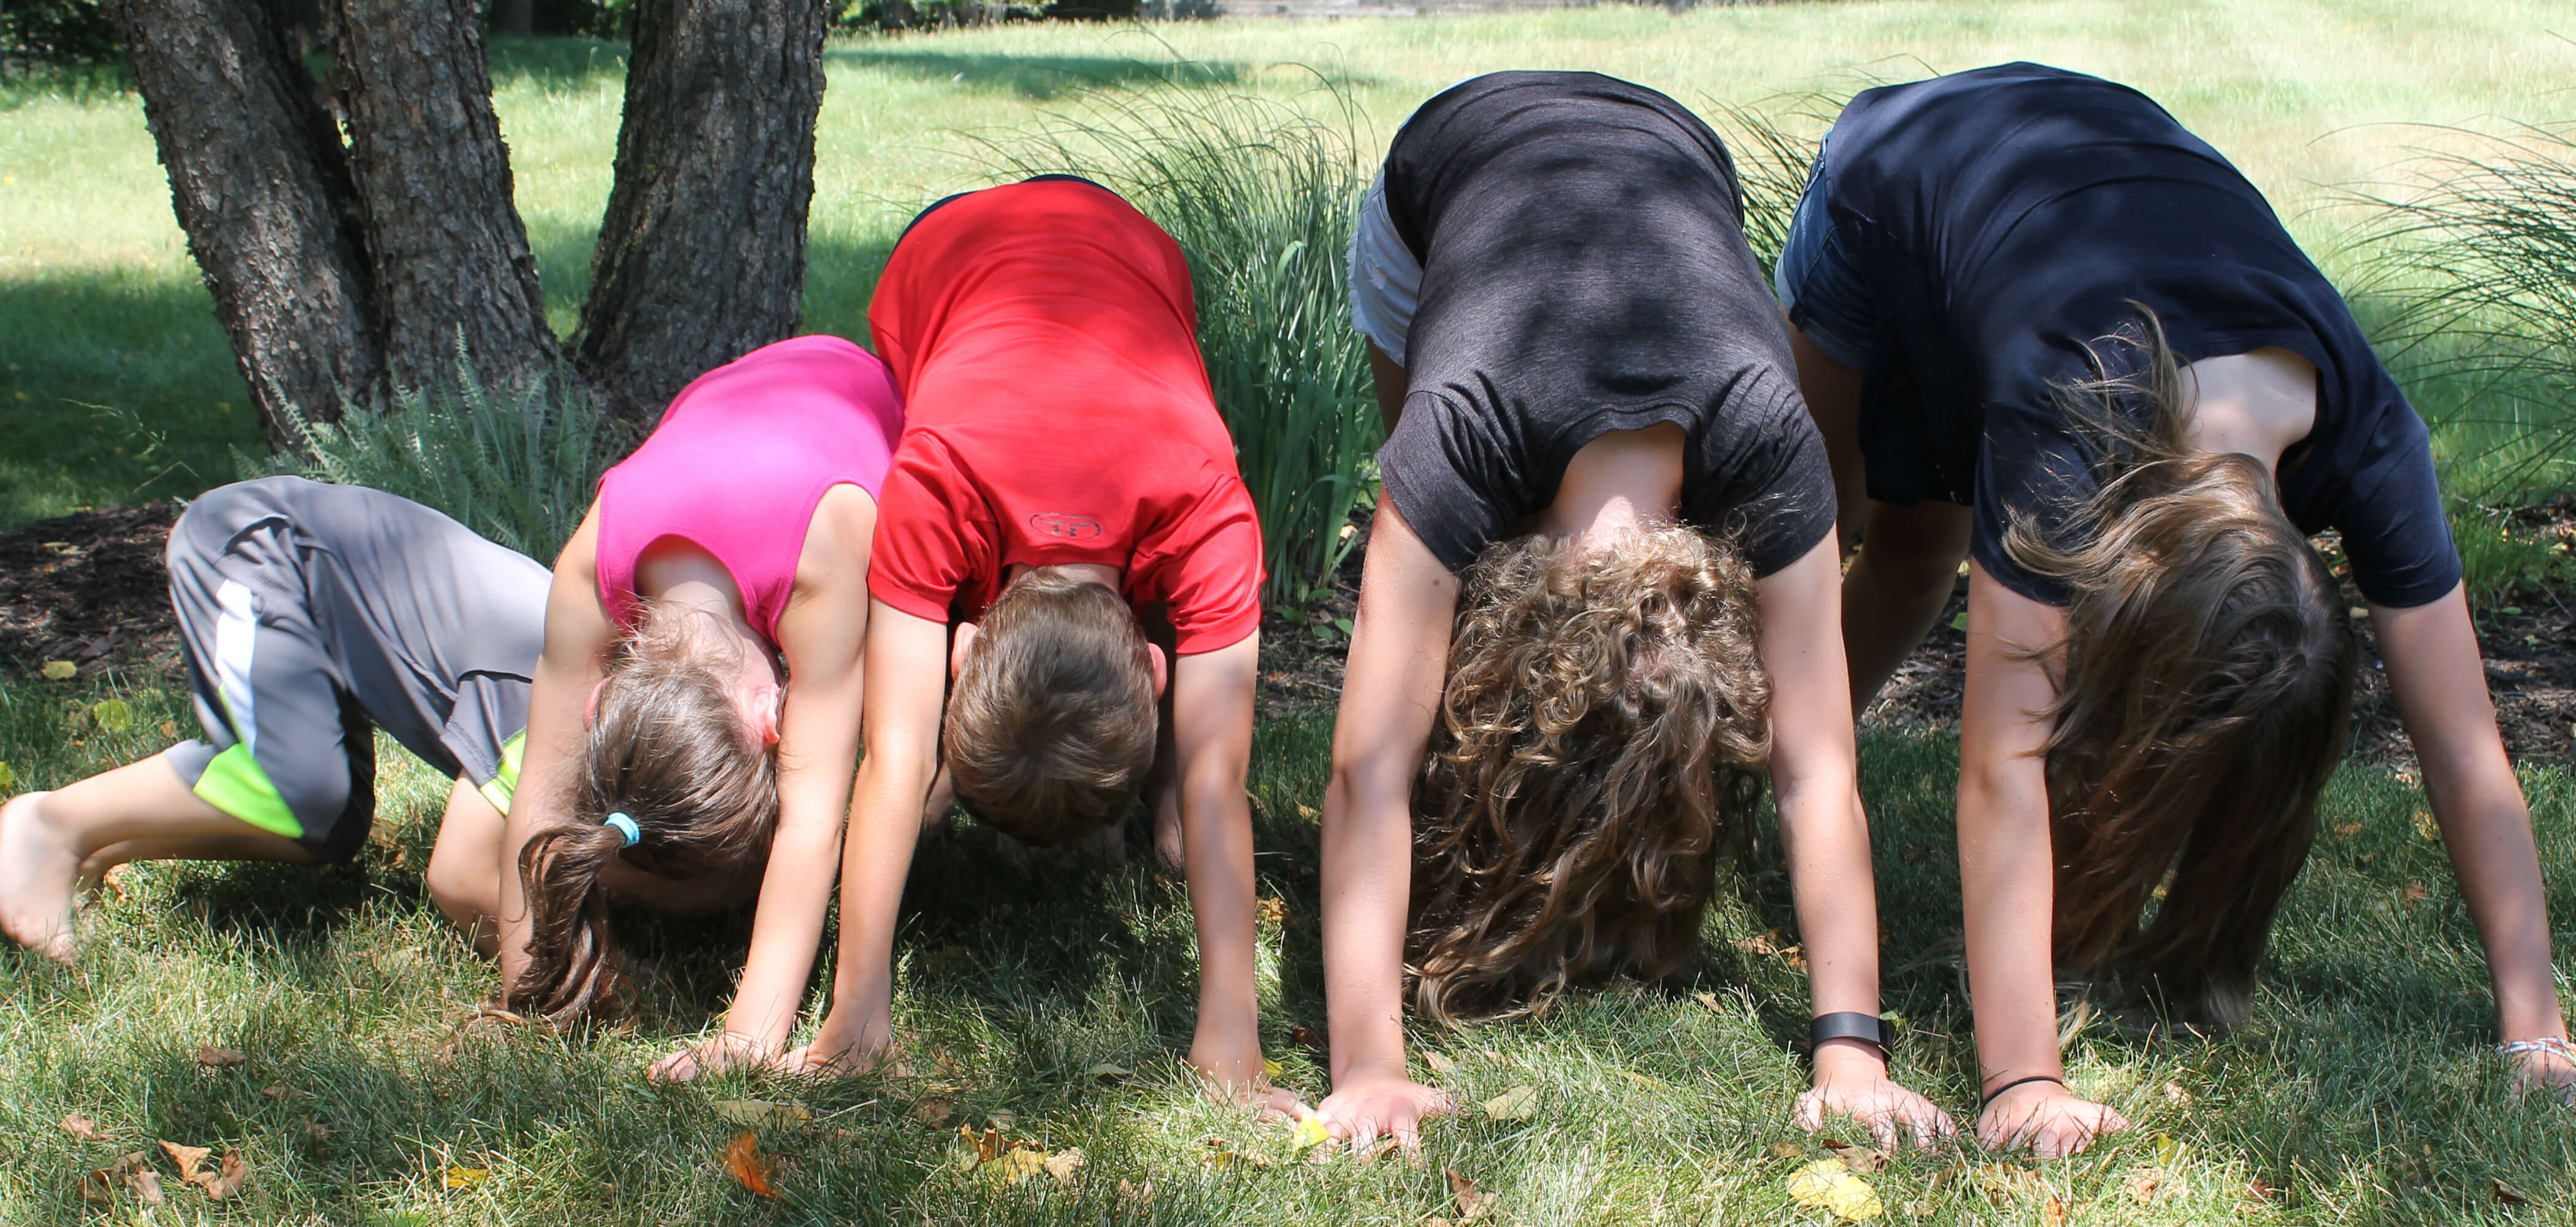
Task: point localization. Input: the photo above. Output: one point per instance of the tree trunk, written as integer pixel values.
(260, 186)
(701, 256)
(446, 248)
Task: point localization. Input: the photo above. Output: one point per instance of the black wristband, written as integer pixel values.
(1852, 1025)
(1998, 1092)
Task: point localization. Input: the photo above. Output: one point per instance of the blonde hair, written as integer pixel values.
(2203, 700)
(1598, 751)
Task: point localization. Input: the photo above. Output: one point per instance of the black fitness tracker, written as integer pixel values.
(1852, 1025)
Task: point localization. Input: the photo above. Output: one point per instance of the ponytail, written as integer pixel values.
(666, 748)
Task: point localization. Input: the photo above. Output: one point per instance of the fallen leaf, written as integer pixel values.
(1710, 1001)
(2055, 1215)
(1063, 1164)
(113, 715)
(1012, 1166)
(189, 1159)
(225, 1182)
(2167, 1149)
(1786, 1150)
(1107, 1072)
(134, 1170)
(221, 1057)
(980, 1147)
(2413, 894)
(81, 1127)
(1829, 1186)
(1221, 1154)
(1129, 1190)
(752, 1168)
(1795, 957)
(2144, 1183)
(2347, 831)
(1305, 1037)
(1270, 1069)
(114, 881)
(1438, 1063)
(1861, 1159)
(2505, 1193)
(61, 671)
(2259, 1189)
(1518, 1103)
(1959, 623)
(1273, 910)
(169, 730)
(464, 1177)
(1307, 812)
(8, 778)
(2176, 1095)
(1472, 1205)
(2425, 828)
(934, 1112)
(762, 1113)
(281, 1091)
(1310, 1133)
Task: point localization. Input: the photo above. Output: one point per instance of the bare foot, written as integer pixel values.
(38, 869)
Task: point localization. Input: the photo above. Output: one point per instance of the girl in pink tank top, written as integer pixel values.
(694, 723)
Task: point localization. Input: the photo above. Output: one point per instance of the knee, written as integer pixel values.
(465, 888)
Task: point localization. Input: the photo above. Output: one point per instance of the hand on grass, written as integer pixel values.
(1851, 1080)
(714, 1055)
(2049, 1119)
(1365, 1104)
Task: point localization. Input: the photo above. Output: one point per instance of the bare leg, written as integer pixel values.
(1909, 558)
(1390, 381)
(1832, 391)
(48, 839)
(465, 865)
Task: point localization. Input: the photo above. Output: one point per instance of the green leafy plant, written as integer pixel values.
(518, 469)
(1260, 195)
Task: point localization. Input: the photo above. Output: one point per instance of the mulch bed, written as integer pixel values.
(89, 588)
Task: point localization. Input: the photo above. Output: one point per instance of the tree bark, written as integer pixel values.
(447, 251)
(259, 183)
(701, 255)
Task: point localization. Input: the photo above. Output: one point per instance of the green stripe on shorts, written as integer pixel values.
(505, 783)
(234, 784)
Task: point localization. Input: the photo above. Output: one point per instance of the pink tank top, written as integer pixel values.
(739, 462)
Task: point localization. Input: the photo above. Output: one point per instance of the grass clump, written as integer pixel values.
(519, 469)
(1260, 194)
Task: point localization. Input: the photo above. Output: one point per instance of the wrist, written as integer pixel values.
(1836, 1057)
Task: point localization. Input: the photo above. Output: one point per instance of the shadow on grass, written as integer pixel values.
(1038, 77)
(553, 63)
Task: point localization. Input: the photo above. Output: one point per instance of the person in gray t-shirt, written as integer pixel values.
(311, 615)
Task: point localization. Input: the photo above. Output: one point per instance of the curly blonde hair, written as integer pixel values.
(1601, 736)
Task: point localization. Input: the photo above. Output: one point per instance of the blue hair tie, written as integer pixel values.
(634, 835)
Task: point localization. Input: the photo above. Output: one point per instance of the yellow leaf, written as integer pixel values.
(8, 778)
(1015, 1165)
(2167, 1149)
(1270, 1069)
(2425, 828)
(113, 715)
(1518, 1103)
(761, 1113)
(1829, 1186)
(466, 1177)
(1310, 1133)
(60, 670)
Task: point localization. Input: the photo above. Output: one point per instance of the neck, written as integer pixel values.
(2257, 403)
(1616, 484)
(1102, 574)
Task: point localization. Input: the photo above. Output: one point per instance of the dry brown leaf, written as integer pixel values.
(2505, 1194)
(1015, 1165)
(1517, 1103)
(2056, 1212)
(1129, 1190)
(1273, 910)
(2259, 1189)
(169, 730)
(81, 1127)
(934, 1112)
(1709, 1000)
(742, 1156)
(189, 1159)
(2144, 1184)
(1063, 1164)
(1439, 1064)
(1862, 1159)
(114, 881)
(134, 1171)
(1472, 1205)
(225, 1182)
(1786, 1150)
(208, 1054)
(1307, 1038)
(1768, 943)
(2426, 828)
(2413, 894)
(1795, 957)
(2176, 1095)
(2347, 831)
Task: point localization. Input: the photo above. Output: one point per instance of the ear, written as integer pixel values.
(963, 639)
(1162, 669)
(764, 717)
(590, 704)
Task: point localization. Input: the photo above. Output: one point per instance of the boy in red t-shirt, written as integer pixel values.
(1062, 466)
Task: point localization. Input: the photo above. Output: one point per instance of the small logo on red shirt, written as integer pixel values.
(1064, 527)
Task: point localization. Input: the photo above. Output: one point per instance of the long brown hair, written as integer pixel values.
(1051, 725)
(1599, 746)
(2203, 699)
(667, 747)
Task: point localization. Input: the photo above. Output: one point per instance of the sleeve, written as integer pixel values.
(1208, 571)
(2394, 527)
(1440, 472)
(1784, 507)
(919, 556)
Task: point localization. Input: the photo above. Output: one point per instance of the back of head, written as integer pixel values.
(666, 746)
(2203, 701)
(1605, 719)
(1051, 725)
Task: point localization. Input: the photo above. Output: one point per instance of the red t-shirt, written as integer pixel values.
(1056, 411)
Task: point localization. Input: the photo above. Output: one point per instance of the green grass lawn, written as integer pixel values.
(2361, 1092)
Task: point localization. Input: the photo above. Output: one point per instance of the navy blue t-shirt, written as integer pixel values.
(2005, 218)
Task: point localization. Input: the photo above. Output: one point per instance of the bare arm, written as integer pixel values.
(1212, 696)
(906, 661)
(2007, 875)
(579, 641)
(1390, 693)
(1825, 834)
(2441, 690)
(821, 634)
